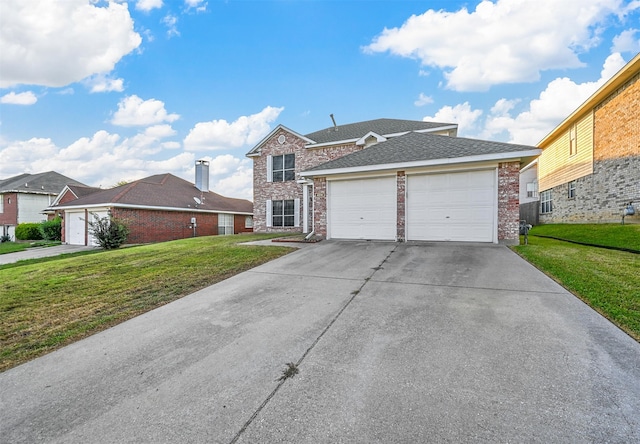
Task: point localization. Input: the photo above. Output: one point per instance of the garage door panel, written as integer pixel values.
(452, 206)
(363, 209)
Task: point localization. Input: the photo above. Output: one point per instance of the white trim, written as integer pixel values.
(424, 163)
(305, 209)
(269, 214)
(296, 213)
(143, 207)
(269, 168)
(363, 139)
(255, 151)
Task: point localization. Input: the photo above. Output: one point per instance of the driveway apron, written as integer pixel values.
(393, 342)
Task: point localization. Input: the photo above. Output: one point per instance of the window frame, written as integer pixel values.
(571, 189)
(223, 228)
(282, 168)
(283, 212)
(546, 202)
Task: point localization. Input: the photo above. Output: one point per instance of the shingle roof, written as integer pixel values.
(48, 183)
(82, 190)
(379, 126)
(413, 147)
(162, 190)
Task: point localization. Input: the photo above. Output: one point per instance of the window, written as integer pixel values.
(572, 189)
(283, 213)
(532, 189)
(281, 168)
(545, 202)
(1, 203)
(225, 224)
(573, 141)
(248, 222)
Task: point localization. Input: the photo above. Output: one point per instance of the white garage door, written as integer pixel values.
(452, 206)
(363, 209)
(75, 227)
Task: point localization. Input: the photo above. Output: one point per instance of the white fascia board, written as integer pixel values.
(59, 196)
(362, 140)
(143, 207)
(255, 151)
(424, 163)
(336, 142)
(529, 165)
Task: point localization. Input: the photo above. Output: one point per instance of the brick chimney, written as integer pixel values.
(202, 175)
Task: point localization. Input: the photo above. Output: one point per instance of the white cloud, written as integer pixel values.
(133, 111)
(505, 41)
(198, 5)
(220, 134)
(423, 100)
(231, 176)
(170, 22)
(102, 83)
(559, 99)
(160, 131)
(55, 43)
(462, 114)
(148, 5)
(23, 98)
(627, 41)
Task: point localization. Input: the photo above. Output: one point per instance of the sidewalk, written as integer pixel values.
(38, 252)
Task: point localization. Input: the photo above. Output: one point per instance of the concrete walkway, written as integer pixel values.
(393, 343)
(36, 253)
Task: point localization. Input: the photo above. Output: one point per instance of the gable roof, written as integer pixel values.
(382, 127)
(423, 149)
(49, 182)
(353, 132)
(628, 71)
(161, 192)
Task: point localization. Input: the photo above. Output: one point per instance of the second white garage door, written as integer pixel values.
(452, 206)
(363, 209)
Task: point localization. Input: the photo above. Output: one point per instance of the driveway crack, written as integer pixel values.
(312, 346)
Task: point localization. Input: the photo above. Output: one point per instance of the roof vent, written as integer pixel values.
(202, 175)
(335, 127)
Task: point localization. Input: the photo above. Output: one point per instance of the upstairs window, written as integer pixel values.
(546, 205)
(573, 140)
(281, 168)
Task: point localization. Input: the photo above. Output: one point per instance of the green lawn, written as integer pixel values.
(45, 304)
(12, 247)
(609, 235)
(607, 280)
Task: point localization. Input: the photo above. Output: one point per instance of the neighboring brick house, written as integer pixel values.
(23, 198)
(156, 209)
(388, 179)
(589, 169)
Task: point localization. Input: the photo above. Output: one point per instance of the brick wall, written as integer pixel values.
(600, 197)
(305, 159)
(159, 226)
(508, 202)
(239, 224)
(401, 183)
(9, 215)
(320, 206)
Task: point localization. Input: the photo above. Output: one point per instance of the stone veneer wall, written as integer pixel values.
(508, 203)
(401, 184)
(600, 197)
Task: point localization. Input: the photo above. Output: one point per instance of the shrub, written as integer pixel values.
(108, 231)
(5, 238)
(28, 231)
(51, 229)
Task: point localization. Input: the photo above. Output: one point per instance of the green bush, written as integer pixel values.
(108, 231)
(51, 229)
(28, 231)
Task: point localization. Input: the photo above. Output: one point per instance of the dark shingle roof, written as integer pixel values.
(379, 126)
(162, 190)
(414, 147)
(49, 183)
(82, 190)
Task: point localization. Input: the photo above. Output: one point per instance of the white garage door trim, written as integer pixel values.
(75, 228)
(363, 208)
(453, 206)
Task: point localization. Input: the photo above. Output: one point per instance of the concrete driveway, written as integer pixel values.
(393, 342)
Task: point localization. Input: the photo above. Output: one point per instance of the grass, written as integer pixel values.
(607, 280)
(12, 247)
(608, 235)
(48, 303)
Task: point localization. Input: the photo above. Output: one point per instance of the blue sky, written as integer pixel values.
(109, 91)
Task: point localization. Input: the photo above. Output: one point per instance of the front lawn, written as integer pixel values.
(607, 280)
(47, 304)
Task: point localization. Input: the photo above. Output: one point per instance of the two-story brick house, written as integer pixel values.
(589, 169)
(388, 179)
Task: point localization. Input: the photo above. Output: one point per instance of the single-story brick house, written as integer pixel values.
(388, 179)
(158, 208)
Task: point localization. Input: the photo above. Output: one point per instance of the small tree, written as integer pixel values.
(108, 231)
(51, 230)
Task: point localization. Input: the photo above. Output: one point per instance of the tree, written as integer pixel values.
(109, 231)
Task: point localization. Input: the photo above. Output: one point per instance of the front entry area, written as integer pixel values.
(458, 206)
